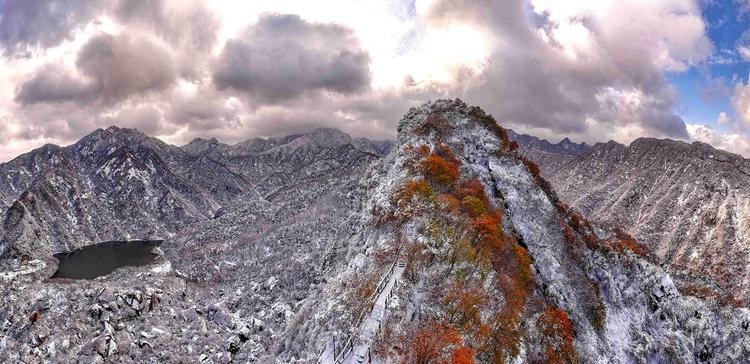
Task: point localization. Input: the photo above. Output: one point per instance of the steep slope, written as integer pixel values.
(497, 269)
(690, 203)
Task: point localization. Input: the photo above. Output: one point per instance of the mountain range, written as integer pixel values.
(688, 203)
(119, 184)
(450, 244)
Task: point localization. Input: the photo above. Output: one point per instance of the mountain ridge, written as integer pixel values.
(687, 201)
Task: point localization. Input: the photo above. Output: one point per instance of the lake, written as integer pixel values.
(101, 259)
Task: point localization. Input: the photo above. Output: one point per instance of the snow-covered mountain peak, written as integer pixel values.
(469, 220)
(329, 137)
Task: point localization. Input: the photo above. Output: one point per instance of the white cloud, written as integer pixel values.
(741, 102)
(734, 143)
(669, 34)
(744, 52)
(723, 118)
(595, 69)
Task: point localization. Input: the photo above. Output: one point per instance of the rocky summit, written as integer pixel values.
(448, 245)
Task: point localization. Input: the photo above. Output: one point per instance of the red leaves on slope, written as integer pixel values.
(558, 334)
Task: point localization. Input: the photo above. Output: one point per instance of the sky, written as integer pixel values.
(592, 71)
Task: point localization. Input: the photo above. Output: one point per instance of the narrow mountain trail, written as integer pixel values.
(357, 350)
(371, 325)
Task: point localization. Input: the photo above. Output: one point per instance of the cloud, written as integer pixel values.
(26, 25)
(723, 119)
(52, 83)
(282, 57)
(61, 123)
(109, 67)
(734, 143)
(233, 70)
(741, 102)
(123, 65)
(205, 110)
(716, 88)
(744, 52)
(190, 27)
(557, 64)
(147, 119)
(188, 21)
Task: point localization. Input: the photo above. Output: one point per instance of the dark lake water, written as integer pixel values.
(101, 259)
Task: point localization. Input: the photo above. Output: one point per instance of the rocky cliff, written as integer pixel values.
(497, 268)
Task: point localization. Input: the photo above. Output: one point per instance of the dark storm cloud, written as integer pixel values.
(283, 56)
(112, 68)
(123, 65)
(189, 23)
(52, 84)
(28, 24)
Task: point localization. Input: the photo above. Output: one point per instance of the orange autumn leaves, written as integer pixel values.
(463, 303)
(419, 188)
(558, 336)
(436, 343)
(441, 171)
(495, 334)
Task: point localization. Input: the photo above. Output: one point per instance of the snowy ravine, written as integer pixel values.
(449, 248)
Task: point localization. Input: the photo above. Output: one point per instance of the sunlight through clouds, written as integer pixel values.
(558, 67)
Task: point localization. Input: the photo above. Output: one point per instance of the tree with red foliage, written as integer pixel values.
(557, 329)
(569, 235)
(413, 188)
(507, 335)
(449, 202)
(533, 167)
(473, 206)
(489, 228)
(524, 265)
(464, 304)
(423, 151)
(440, 171)
(462, 355)
(436, 122)
(472, 187)
(445, 152)
(513, 146)
(430, 343)
(626, 242)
